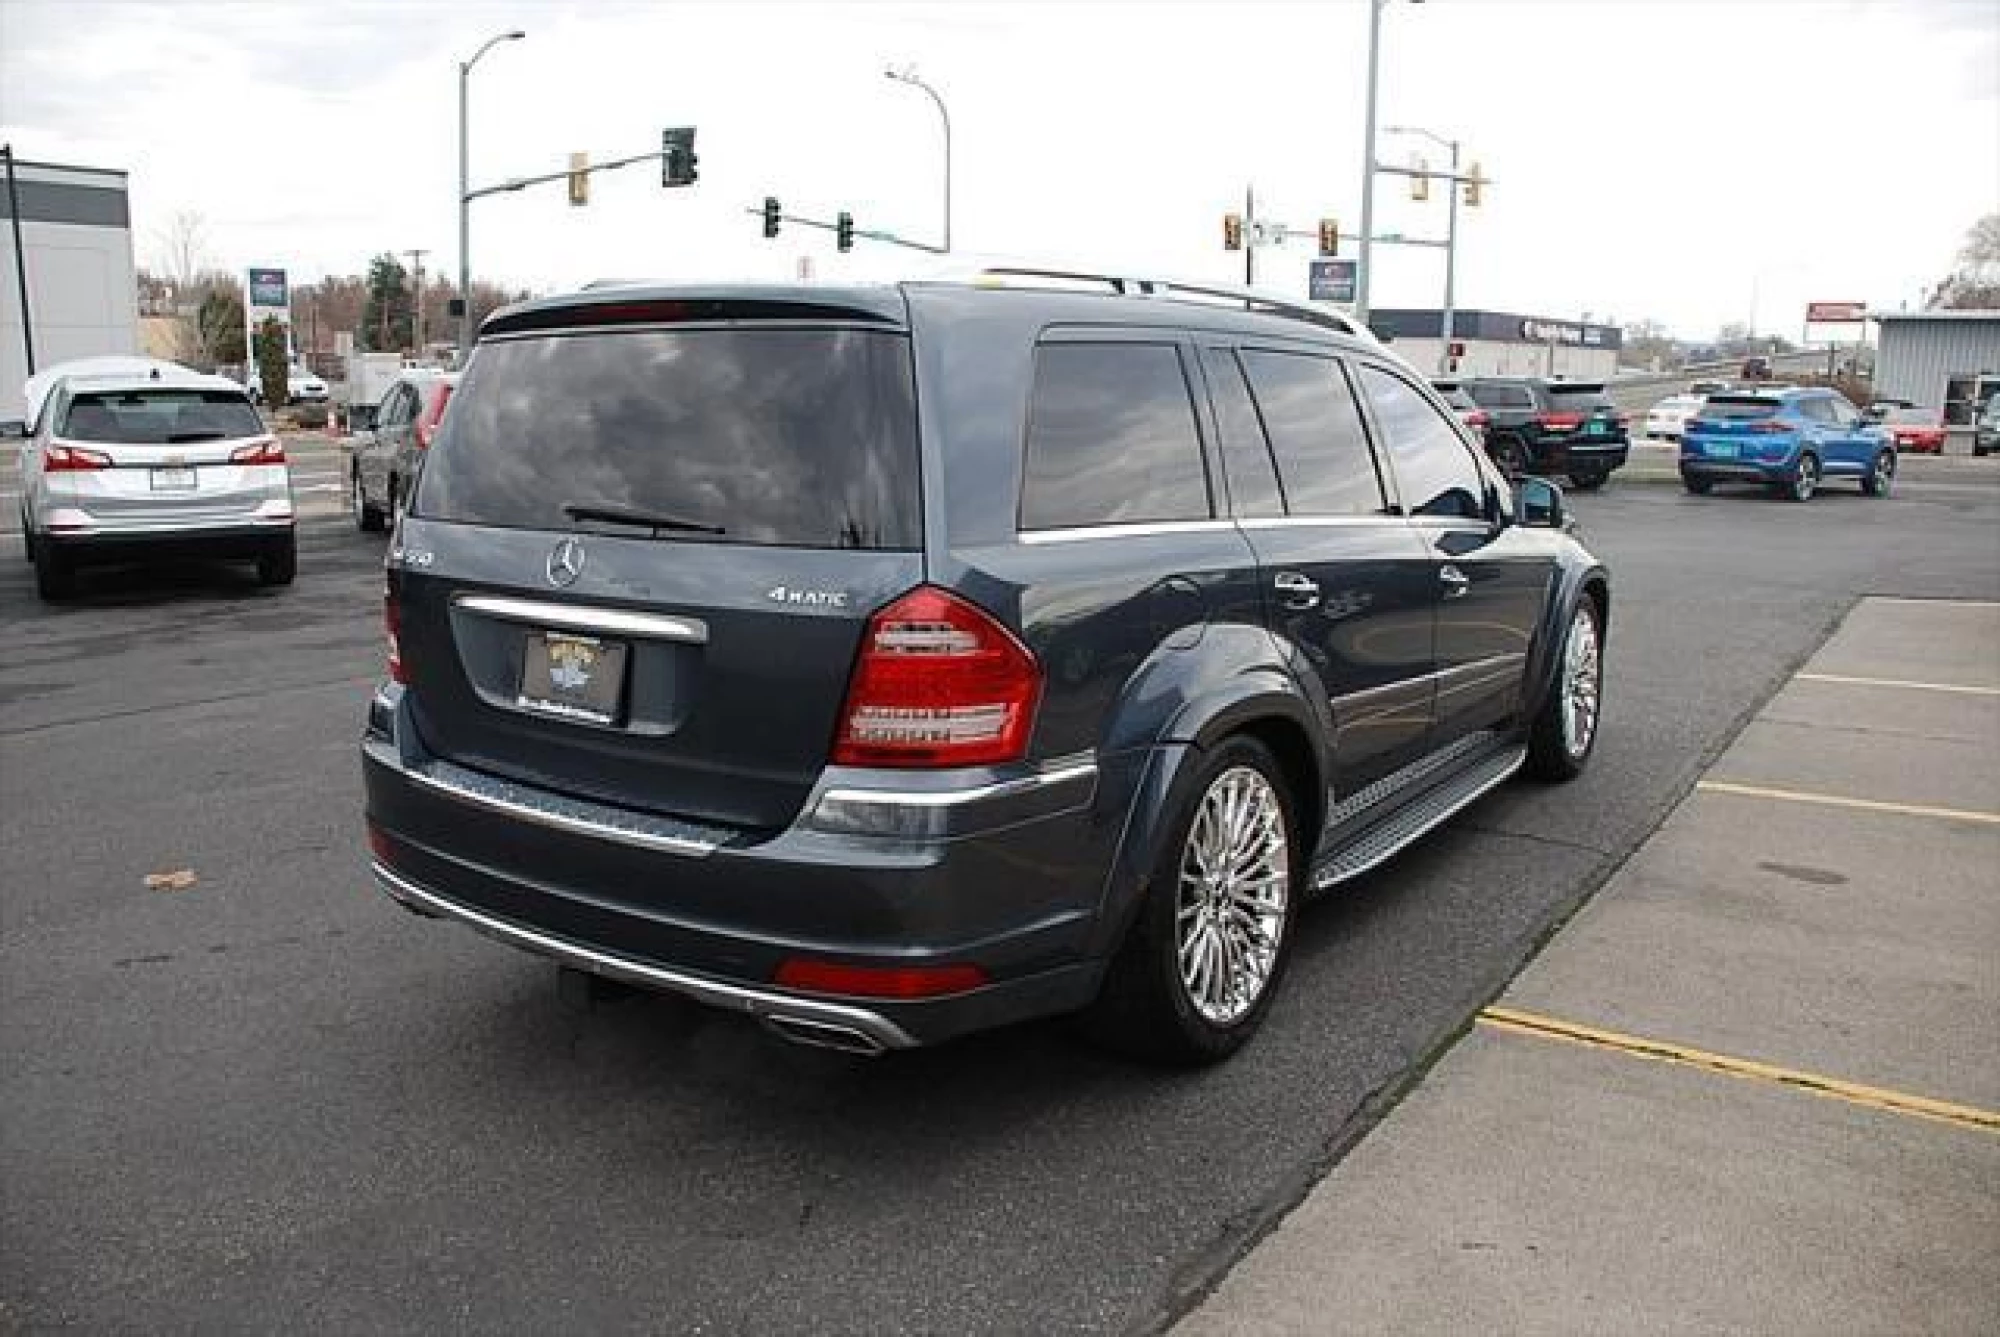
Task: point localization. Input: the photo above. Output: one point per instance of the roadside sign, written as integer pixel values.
(1836, 313)
(268, 289)
(1333, 280)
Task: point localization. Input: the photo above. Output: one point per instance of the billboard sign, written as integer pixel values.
(268, 290)
(1836, 313)
(1333, 280)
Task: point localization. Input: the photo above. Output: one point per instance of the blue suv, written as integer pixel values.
(1790, 440)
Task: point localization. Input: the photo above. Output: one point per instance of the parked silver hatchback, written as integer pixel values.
(130, 459)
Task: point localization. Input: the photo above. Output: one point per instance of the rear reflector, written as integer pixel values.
(267, 451)
(392, 624)
(380, 845)
(938, 682)
(878, 981)
(72, 459)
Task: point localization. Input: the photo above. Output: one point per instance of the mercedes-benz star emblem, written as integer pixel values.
(566, 563)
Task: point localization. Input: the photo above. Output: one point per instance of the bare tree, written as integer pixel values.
(183, 248)
(1976, 281)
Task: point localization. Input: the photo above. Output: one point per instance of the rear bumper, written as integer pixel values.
(1583, 453)
(129, 543)
(1695, 465)
(712, 915)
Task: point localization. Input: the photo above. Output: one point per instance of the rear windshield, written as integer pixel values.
(1455, 396)
(793, 437)
(1721, 406)
(1579, 396)
(1916, 417)
(159, 417)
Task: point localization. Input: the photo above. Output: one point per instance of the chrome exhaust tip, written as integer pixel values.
(823, 1035)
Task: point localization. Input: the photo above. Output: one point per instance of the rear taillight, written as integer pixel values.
(267, 451)
(392, 626)
(938, 682)
(1770, 428)
(1559, 422)
(72, 460)
(427, 429)
(1477, 418)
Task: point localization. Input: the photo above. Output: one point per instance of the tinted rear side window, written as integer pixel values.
(792, 437)
(1111, 438)
(1246, 456)
(159, 417)
(1316, 433)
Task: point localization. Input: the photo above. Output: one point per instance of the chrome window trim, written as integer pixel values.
(952, 798)
(1137, 529)
(1318, 521)
(585, 617)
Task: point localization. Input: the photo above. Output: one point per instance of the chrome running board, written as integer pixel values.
(1403, 827)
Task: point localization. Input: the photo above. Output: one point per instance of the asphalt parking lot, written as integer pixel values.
(270, 1092)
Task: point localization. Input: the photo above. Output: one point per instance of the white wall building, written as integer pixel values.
(83, 295)
(1499, 343)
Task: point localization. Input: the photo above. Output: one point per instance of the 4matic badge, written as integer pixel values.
(807, 598)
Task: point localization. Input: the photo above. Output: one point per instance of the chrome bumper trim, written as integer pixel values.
(763, 1004)
(952, 798)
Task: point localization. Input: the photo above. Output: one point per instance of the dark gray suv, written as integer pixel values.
(894, 662)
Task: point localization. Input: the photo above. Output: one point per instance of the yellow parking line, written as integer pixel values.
(1846, 681)
(1841, 801)
(1853, 1093)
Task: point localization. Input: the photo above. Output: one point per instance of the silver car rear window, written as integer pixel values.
(159, 417)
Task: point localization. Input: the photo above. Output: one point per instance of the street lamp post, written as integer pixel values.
(908, 75)
(1368, 162)
(1450, 322)
(465, 197)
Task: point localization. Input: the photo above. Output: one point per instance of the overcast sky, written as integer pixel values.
(1694, 162)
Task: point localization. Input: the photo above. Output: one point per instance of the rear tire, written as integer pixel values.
(55, 574)
(1564, 733)
(1881, 477)
(280, 565)
(1698, 485)
(1205, 954)
(1510, 456)
(1588, 481)
(1804, 481)
(368, 517)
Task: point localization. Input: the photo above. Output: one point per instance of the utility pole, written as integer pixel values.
(20, 260)
(417, 255)
(1368, 166)
(1450, 267)
(1250, 233)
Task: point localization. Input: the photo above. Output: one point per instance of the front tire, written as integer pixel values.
(1202, 960)
(1565, 729)
(1881, 477)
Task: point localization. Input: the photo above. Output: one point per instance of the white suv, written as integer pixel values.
(130, 458)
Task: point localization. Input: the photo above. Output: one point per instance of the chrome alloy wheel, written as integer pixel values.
(1582, 676)
(1885, 472)
(1807, 480)
(1234, 893)
(357, 498)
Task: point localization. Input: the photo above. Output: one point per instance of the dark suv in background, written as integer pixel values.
(892, 662)
(1552, 427)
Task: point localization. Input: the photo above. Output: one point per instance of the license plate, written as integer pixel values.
(576, 677)
(173, 479)
(1722, 450)
(1593, 429)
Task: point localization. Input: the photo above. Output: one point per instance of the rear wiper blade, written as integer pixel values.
(618, 515)
(188, 438)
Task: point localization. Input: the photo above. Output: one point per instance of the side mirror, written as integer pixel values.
(1874, 413)
(1539, 504)
(14, 430)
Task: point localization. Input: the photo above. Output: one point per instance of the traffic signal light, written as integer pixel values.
(1329, 237)
(677, 160)
(843, 230)
(1232, 232)
(579, 178)
(772, 213)
(1420, 184)
(1473, 182)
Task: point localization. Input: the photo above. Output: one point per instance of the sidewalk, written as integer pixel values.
(1754, 1086)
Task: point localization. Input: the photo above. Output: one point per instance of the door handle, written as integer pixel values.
(1456, 582)
(1300, 592)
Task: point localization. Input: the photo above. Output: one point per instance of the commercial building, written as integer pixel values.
(75, 232)
(1947, 360)
(1501, 343)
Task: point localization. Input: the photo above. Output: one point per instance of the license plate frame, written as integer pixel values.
(173, 478)
(573, 677)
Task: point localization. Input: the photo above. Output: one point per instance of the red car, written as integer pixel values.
(1917, 429)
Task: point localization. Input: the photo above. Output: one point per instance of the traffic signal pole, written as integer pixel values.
(1450, 269)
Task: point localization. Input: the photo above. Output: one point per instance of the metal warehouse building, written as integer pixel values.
(1939, 359)
(75, 235)
(1499, 343)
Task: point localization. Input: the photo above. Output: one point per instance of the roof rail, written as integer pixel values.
(1128, 285)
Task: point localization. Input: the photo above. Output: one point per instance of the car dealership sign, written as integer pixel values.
(1836, 313)
(1562, 332)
